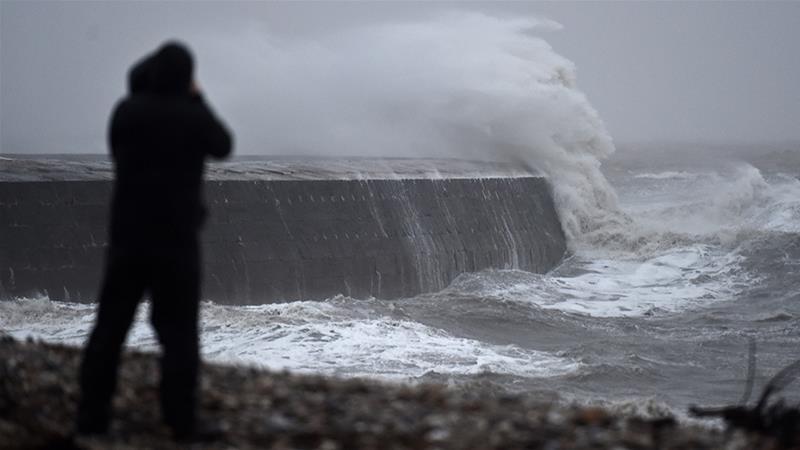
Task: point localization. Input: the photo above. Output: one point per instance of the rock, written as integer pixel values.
(262, 409)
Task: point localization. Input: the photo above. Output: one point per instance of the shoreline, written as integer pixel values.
(262, 409)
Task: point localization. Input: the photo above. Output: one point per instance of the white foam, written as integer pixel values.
(673, 281)
(319, 337)
(677, 280)
(39, 318)
(377, 346)
(721, 204)
(682, 251)
(781, 212)
(681, 175)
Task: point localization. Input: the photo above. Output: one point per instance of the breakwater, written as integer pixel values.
(271, 240)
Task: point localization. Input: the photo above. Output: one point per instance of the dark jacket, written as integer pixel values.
(160, 136)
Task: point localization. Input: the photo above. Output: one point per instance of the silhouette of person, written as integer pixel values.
(159, 136)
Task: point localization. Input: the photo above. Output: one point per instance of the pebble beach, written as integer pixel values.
(254, 408)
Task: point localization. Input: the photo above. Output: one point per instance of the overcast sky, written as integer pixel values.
(714, 71)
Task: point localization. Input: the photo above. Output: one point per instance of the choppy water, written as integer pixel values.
(711, 258)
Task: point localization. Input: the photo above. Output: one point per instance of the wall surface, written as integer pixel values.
(283, 240)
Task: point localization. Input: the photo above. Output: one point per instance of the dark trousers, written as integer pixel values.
(172, 277)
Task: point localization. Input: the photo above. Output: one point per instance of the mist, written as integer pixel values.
(458, 84)
(654, 71)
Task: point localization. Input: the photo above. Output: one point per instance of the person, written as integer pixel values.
(160, 136)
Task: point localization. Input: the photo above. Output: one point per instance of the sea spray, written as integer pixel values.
(463, 84)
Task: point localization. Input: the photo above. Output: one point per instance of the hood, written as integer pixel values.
(167, 71)
(139, 76)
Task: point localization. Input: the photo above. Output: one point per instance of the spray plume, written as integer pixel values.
(464, 85)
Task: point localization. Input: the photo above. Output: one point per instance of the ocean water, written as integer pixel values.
(651, 322)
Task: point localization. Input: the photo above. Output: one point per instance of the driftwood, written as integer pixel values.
(770, 418)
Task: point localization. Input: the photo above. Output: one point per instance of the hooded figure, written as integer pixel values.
(167, 70)
(160, 136)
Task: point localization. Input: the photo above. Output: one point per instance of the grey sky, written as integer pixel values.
(677, 71)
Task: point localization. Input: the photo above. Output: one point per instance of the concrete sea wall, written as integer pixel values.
(282, 240)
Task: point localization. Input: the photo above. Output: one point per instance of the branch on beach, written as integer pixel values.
(769, 418)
